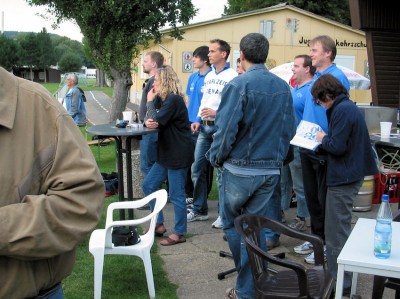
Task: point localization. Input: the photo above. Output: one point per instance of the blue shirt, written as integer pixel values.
(299, 95)
(194, 91)
(316, 113)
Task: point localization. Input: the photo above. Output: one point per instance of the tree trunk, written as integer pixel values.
(122, 84)
(100, 79)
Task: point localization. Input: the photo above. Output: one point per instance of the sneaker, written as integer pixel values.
(231, 293)
(283, 219)
(189, 202)
(217, 223)
(310, 258)
(299, 224)
(271, 244)
(305, 248)
(192, 216)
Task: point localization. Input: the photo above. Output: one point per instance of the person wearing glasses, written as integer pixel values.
(167, 112)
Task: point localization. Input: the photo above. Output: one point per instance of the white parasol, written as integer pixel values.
(357, 81)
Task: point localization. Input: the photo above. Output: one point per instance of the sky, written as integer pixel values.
(19, 16)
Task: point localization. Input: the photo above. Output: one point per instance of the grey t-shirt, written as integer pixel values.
(146, 88)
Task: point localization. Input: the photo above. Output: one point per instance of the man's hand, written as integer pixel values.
(150, 123)
(207, 113)
(195, 127)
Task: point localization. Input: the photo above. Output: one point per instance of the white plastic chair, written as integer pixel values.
(100, 240)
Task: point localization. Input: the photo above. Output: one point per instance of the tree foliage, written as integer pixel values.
(116, 30)
(335, 10)
(8, 52)
(70, 62)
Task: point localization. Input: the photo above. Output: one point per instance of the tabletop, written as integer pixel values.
(359, 248)
(111, 130)
(393, 140)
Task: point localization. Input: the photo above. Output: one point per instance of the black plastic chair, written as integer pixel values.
(294, 280)
(380, 282)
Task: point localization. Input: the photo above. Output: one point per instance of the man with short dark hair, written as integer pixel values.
(148, 145)
(255, 123)
(214, 82)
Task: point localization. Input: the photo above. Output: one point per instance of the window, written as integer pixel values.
(266, 28)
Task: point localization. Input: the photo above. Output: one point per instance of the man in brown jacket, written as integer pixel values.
(51, 190)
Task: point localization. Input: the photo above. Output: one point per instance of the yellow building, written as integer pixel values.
(288, 29)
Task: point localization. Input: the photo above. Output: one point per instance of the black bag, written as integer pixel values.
(82, 94)
(125, 235)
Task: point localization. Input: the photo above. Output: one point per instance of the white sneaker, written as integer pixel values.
(305, 248)
(192, 216)
(189, 202)
(217, 223)
(310, 259)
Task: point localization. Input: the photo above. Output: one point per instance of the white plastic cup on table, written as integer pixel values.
(127, 115)
(386, 127)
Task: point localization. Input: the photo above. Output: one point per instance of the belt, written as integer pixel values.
(208, 122)
(43, 293)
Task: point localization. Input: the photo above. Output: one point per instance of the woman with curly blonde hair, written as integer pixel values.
(166, 111)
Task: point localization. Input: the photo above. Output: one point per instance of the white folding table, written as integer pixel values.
(357, 255)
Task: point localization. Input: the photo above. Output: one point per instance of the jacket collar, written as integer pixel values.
(8, 98)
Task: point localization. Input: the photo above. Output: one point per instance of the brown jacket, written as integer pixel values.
(51, 191)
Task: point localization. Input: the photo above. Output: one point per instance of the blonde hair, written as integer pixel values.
(168, 82)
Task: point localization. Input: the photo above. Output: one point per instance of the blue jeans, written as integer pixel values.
(199, 169)
(148, 152)
(56, 293)
(177, 180)
(298, 186)
(286, 188)
(338, 213)
(241, 194)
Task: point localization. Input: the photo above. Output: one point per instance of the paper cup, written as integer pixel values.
(386, 127)
(127, 115)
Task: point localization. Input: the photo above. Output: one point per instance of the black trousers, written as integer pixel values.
(314, 177)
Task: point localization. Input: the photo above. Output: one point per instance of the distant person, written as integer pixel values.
(239, 68)
(303, 74)
(51, 191)
(322, 53)
(194, 92)
(148, 144)
(167, 112)
(350, 159)
(204, 125)
(250, 144)
(74, 101)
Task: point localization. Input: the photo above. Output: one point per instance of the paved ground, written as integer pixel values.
(194, 265)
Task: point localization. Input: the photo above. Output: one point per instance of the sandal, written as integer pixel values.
(168, 241)
(160, 232)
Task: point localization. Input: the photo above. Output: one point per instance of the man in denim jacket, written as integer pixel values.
(255, 123)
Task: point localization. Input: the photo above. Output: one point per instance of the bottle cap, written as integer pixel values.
(385, 197)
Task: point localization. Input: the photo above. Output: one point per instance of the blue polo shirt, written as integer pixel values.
(194, 91)
(299, 95)
(316, 113)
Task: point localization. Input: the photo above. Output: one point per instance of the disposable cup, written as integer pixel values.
(127, 115)
(386, 126)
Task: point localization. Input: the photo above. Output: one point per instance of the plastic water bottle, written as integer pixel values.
(383, 230)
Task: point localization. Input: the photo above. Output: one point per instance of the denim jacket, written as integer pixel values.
(75, 106)
(255, 121)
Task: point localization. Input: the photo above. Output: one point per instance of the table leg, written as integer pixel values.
(128, 153)
(354, 284)
(339, 282)
(120, 175)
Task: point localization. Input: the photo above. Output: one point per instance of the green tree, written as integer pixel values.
(70, 62)
(116, 30)
(335, 10)
(46, 49)
(8, 52)
(29, 51)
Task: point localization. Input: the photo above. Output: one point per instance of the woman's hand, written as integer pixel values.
(151, 124)
(320, 135)
(151, 95)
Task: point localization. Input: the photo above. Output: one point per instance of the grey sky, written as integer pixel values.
(19, 16)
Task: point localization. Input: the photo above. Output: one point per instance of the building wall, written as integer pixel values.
(285, 42)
